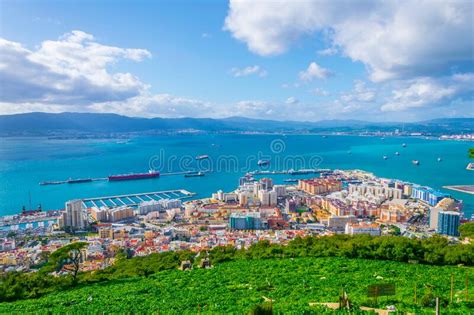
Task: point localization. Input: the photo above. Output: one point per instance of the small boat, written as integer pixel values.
(349, 152)
(440, 159)
(404, 145)
(397, 153)
(263, 162)
(290, 180)
(325, 136)
(385, 157)
(470, 167)
(194, 174)
(415, 162)
(202, 157)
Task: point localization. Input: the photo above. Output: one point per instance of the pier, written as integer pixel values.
(468, 189)
(89, 180)
(135, 199)
(291, 172)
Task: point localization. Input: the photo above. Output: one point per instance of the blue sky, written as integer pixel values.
(271, 60)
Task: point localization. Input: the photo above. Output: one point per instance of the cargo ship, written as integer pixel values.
(79, 180)
(51, 183)
(133, 176)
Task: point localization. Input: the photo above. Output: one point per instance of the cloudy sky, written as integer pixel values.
(284, 60)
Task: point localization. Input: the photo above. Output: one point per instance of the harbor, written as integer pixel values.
(135, 199)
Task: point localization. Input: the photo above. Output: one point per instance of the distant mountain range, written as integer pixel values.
(91, 123)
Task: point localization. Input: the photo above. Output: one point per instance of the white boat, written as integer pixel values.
(440, 159)
(404, 145)
(397, 153)
(385, 157)
(415, 162)
(263, 162)
(470, 167)
(202, 157)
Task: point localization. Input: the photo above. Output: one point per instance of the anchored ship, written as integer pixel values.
(50, 183)
(133, 176)
(263, 162)
(194, 174)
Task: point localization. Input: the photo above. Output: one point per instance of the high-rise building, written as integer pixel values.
(280, 190)
(266, 183)
(267, 198)
(73, 215)
(433, 215)
(248, 221)
(448, 223)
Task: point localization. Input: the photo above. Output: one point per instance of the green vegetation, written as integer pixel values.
(467, 230)
(239, 286)
(127, 271)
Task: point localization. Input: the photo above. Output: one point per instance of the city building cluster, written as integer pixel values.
(351, 202)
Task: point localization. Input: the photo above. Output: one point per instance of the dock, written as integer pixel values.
(291, 172)
(135, 199)
(89, 180)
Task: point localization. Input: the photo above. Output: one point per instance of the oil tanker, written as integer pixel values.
(133, 176)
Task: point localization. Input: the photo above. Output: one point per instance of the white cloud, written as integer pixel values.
(314, 71)
(327, 52)
(158, 105)
(394, 39)
(292, 100)
(71, 70)
(319, 92)
(464, 77)
(420, 93)
(243, 72)
(360, 93)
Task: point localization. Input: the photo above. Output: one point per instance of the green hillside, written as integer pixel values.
(237, 286)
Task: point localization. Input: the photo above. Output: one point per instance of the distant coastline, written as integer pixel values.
(90, 125)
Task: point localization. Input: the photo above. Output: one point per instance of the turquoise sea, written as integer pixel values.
(24, 162)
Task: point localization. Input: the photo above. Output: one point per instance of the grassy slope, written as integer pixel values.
(237, 286)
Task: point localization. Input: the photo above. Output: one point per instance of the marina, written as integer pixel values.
(135, 199)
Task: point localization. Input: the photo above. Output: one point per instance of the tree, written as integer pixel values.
(467, 230)
(67, 255)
